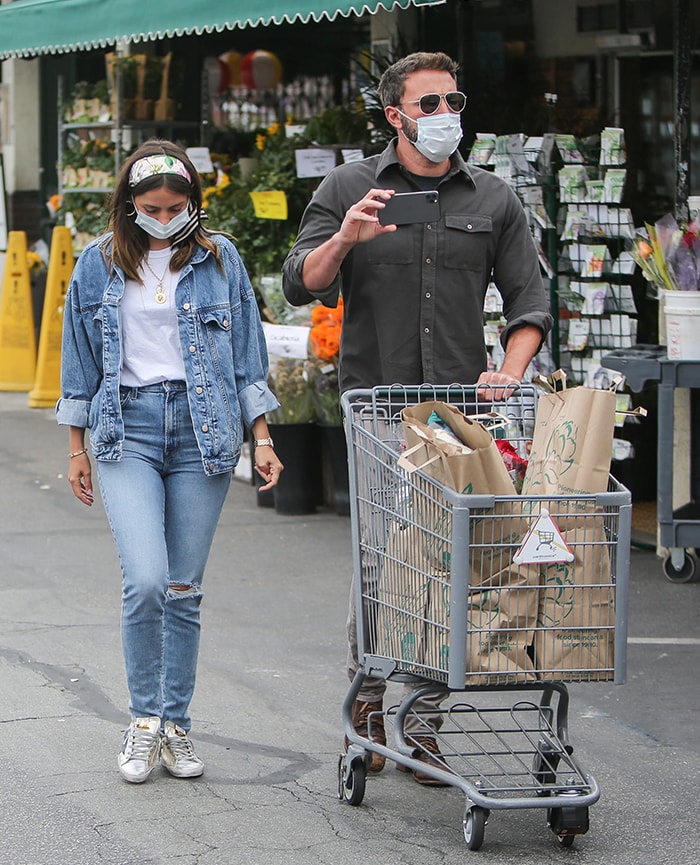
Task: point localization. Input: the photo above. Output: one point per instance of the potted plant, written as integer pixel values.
(324, 339)
(296, 438)
(263, 243)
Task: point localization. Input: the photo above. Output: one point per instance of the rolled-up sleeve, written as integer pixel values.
(73, 412)
(255, 400)
(80, 372)
(321, 219)
(250, 360)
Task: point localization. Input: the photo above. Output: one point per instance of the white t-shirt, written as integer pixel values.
(150, 343)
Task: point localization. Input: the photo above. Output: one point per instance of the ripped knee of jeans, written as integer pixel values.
(181, 590)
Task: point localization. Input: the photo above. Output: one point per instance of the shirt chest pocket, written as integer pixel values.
(467, 240)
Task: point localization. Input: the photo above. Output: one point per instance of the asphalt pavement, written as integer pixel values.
(266, 713)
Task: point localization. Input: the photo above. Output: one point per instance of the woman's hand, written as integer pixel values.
(80, 478)
(268, 466)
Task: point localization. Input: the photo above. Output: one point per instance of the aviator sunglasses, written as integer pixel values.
(430, 102)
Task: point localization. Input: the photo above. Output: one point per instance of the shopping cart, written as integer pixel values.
(442, 605)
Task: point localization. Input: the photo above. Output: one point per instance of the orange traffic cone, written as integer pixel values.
(47, 387)
(17, 339)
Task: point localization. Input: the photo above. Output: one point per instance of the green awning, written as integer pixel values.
(32, 27)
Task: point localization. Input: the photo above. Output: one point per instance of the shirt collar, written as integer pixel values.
(388, 159)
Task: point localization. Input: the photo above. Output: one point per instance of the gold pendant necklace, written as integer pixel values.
(160, 295)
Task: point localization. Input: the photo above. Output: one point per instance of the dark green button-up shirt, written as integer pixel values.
(414, 299)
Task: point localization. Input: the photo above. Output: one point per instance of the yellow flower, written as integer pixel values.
(260, 141)
(34, 261)
(273, 128)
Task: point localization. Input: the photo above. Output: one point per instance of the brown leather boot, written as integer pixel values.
(428, 752)
(361, 710)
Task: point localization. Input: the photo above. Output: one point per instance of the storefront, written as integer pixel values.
(70, 38)
(606, 66)
(513, 55)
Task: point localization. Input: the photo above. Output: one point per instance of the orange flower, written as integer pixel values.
(645, 249)
(325, 331)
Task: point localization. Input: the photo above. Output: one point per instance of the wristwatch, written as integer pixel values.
(261, 443)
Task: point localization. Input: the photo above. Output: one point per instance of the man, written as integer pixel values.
(413, 294)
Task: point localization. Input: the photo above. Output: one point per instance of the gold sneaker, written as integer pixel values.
(177, 753)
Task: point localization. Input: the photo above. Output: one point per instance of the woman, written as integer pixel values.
(164, 361)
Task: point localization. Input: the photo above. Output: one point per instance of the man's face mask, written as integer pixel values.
(438, 135)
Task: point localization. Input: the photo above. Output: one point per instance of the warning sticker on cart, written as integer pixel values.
(543, 542)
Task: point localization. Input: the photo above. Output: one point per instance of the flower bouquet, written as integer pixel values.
(324, 339)
(669, 255)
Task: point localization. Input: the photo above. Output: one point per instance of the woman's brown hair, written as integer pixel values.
(129, 242)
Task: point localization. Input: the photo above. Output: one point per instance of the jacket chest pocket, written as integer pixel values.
(216, 325)
(467, 240)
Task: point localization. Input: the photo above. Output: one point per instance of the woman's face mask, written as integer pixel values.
(160, 230)
(438, 135)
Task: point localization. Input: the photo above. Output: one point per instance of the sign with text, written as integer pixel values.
(314, 162)
(201, 159)
(287, 340)
(352, 155)
(270, 204)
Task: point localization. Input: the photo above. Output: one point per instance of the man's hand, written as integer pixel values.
(359, 225)
(496, 386)
(361, 222)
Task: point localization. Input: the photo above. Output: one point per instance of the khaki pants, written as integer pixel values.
(373, 687)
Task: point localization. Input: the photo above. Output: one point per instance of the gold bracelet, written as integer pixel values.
(78, 453)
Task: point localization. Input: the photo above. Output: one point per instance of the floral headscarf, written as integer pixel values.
(160, 163)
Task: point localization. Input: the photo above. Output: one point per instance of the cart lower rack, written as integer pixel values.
(484, 646)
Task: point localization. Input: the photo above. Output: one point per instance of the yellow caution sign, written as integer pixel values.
(47, 387)
(17, 339)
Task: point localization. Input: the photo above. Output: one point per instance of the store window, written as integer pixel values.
(616, 17)
(657, 131)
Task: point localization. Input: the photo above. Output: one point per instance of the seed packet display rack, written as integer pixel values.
(427, 554)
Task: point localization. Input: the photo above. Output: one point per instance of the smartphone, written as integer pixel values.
(404, 208)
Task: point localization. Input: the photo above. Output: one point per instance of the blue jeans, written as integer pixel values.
(163, 511)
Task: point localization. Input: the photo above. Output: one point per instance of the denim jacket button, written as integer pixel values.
(198, 389)
(225, 322)
(185, 306)
(205, 427)
(192, 349)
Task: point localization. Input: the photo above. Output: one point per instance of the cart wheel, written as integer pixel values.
(567, 823)
(351, 780)
(474, 823)
(566, 840)
(684, 574)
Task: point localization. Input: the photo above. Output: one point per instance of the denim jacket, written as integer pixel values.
(222, 344)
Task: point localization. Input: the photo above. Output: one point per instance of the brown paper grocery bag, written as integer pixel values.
(518, 588)
(500, 626)
(572, 443)
(479, 470)
(475, 469)
(402, 597)
(575, 637)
